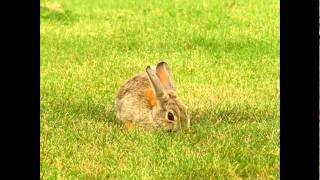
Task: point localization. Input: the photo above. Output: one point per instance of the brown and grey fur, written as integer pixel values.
(147, 98)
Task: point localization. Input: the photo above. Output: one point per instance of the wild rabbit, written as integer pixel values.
(149, 101)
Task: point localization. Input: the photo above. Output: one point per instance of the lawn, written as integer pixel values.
(225, 59)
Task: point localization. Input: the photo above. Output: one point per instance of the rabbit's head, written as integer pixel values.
(167, 111)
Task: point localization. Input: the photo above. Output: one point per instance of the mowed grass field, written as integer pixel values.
(225, 59)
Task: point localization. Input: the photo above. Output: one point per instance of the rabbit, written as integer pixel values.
(149, 101)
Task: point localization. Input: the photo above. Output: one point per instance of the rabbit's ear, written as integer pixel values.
(164, 74)
(155, 82)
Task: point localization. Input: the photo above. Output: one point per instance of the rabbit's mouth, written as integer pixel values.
(169, 126)
(172, 130)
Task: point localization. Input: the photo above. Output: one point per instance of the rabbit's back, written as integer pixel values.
(135, 100)
(134, 86)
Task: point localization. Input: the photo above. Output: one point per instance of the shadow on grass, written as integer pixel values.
(248, 44)
(104, 111)
(81, 110)
(231, 114)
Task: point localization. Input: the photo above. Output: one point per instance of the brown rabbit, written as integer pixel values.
(149, 101)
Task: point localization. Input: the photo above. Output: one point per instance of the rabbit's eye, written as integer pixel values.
(170, 116)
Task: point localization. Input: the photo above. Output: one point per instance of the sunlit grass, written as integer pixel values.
(225, 59)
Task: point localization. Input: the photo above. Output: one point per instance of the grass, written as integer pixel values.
(225, 59)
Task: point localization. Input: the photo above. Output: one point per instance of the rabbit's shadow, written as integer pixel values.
(88, 110)
(232, 114)
(105, 112)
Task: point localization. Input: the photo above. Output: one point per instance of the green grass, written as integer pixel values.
(225, 59)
